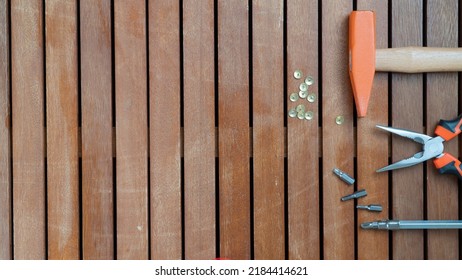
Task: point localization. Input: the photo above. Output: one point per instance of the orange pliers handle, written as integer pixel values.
(448, 164)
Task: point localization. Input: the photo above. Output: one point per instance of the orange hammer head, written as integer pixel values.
(362, 57)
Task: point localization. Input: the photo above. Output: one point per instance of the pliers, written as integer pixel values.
(432, 147)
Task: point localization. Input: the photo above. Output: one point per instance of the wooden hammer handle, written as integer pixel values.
(418, 60)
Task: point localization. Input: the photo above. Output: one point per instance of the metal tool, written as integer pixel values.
(298, 74)
(354, 195)
(309, 115)
(413, 224)
(365, 59)
(432, 147)
(345, 177)
(293, 97)
(370, 207)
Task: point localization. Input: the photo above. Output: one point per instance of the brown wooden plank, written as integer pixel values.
(97, 163)
(62, 129)
(233, 128)
(131, 129)
(199, 141)
(407, 112)
(442, 96)
(165, 145)
(337, 142)
(302, 135)
(28, 133)
(268, 129)
(372, 148)
(5, 134)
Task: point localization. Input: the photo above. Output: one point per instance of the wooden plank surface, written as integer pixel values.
(407, 112)
(372, 148)
(224, 177)
(28, 132)
(5, 136)
(302, 135)
(131, 129)
(233, 128)
(442, 96)
(199, 126)
(165, 144)
(97, 161)
(337, 100)
(268, 129)
(62, 129)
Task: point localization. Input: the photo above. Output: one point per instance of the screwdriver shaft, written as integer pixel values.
(413, 224)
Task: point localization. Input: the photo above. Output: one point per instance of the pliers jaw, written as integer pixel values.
(432, 148)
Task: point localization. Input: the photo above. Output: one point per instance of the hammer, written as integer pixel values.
(365, 59)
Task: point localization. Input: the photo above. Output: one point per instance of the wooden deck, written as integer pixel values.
(160, 130)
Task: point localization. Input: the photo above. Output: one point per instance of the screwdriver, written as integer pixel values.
(413, 224)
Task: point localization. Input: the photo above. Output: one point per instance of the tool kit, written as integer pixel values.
(364, 61)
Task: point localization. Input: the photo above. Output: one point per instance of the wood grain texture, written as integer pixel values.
(97, 163)
(131, 129)
(268, 129)
(418, 59)
(442, 96)
(372, 148)
(233, 128)
(28, 132)
(199, 126)
(407, 112)
(165, 139)
(62, 129)
(302, 135)
(337, 141)
(5, 136)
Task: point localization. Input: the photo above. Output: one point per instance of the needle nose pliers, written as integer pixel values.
(432, 147)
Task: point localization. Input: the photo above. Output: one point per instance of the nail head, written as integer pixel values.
(311, 97)
(292, 113)
(309, 80)
(293, 97)
(309, 115)
(298, 74)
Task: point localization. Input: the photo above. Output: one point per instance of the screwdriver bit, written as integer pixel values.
(354, 195)
(345, 177)
(370, 207)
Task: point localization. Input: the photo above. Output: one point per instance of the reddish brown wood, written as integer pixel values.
(62, 129)
(28, 131)
(302, 135)
(199, 126)
(407, 104)
(210, 143)
(442, 96)
(233, 128)
(5, 135)
(373, 149)
(337, 140)
(165, 140)
(268, 129)
(97, 163)
(131, 129)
